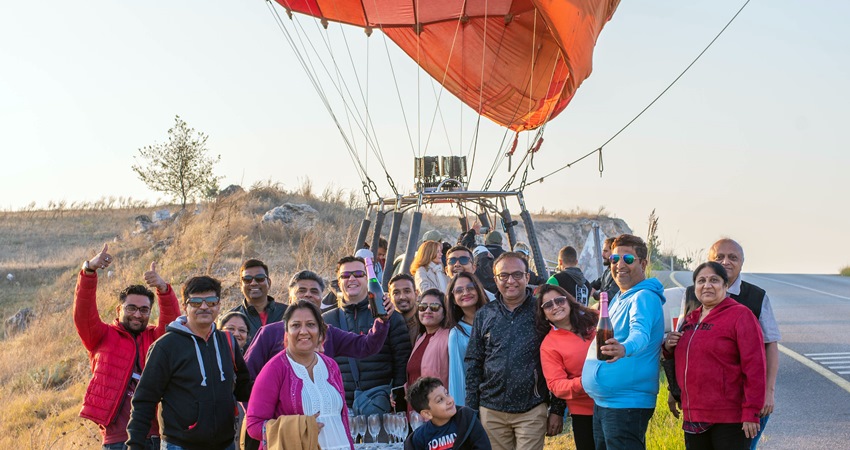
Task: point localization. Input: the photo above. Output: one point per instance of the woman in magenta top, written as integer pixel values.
(302, 381)
(562, 355)
(430, 357)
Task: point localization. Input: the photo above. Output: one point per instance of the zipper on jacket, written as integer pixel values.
(687, 364)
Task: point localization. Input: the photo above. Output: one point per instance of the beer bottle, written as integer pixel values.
(604, 329)
(376, 292)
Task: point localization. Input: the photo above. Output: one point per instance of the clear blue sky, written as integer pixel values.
(748, 144)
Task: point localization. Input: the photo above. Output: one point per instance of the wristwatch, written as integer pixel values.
(87, 268)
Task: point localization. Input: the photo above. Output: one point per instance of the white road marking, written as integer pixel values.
(838, 367)
(675, 281)
(801, 287)
(828, 354)
(829, 358)
(831, 376)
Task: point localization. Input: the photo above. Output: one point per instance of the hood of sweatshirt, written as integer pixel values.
(179, 327)
(649, 284)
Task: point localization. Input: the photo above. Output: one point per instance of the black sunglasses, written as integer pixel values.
(433, 306)
(210, 301)
(353, 273)
(557, 301)
(247, 279)
(463, 260)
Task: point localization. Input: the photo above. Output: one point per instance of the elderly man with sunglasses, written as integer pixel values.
(117, 350)
(260, 307)
(504, 378)
(625, 387)
(367, 381)
(195, 374)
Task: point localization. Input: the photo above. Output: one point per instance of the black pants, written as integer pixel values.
(583, 431)
(721, 436)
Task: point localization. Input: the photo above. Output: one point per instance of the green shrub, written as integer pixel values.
(845, 272)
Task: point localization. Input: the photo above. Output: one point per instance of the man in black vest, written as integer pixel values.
(730, 254)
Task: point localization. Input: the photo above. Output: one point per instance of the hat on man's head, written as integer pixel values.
(493, 237)
(479, 250)
(432, 235)
(522, 247)
(364, 253)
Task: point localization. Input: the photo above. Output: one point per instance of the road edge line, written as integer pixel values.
(675, 281)
(840, 382)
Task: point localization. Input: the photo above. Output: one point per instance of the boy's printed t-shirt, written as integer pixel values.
(430, 437)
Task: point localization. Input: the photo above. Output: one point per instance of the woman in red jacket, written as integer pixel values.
(720, 366)
(562, 354)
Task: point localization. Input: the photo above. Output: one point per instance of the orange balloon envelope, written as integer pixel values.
(517, 62)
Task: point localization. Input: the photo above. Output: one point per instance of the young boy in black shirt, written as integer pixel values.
(448, 427)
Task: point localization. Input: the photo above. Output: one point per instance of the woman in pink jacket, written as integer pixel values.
(720, 366)
(301, 382)
(430, 356)
(562, 354)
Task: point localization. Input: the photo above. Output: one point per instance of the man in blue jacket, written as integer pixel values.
(625, 387)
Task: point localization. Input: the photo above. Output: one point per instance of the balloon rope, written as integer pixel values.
(650, 103)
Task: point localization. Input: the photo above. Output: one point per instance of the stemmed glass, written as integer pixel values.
(375, 426)
(415, 420)
(402, 429)
(388, 426)
(352, 427)
(361, 427)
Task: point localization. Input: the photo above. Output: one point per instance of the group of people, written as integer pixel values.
(487, 368)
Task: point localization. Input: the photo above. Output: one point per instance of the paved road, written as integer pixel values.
(813, 385)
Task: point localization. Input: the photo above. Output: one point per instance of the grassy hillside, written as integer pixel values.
(44, 371)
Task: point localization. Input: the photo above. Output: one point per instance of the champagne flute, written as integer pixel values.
(374, 426)
(415, 420)
(352, 427)
(402, 417)
(388, 427)
(361, 428)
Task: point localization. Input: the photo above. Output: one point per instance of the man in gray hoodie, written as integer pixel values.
(570, 276)
(196, 374)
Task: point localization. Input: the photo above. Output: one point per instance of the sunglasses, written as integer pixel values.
(434, 307)
(210, 301)
(460, 290)
(557, 301)
(628, 259)
(353, 273)
(247, 279)
(133, 309)
(463, 260)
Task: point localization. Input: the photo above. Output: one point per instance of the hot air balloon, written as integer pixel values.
(516, 62)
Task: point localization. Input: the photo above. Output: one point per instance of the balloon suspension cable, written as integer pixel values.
(599, 150)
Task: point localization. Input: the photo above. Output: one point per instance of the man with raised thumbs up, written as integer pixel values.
(117, 350)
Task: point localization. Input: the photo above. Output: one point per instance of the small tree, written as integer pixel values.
(179, 167)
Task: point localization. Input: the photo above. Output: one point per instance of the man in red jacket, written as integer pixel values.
(117, 350)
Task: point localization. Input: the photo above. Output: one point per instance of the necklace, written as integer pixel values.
(312, 363)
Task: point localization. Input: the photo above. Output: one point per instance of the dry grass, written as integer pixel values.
(44, 371)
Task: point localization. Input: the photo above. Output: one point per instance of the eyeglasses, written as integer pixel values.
(628, 259)
(557, 301)
(235, 330)
(460, 290)
(247, 279)
(434, 307)
(463, 260)
(210, 301)
(515, 275)
(353, 273)
(133, 309)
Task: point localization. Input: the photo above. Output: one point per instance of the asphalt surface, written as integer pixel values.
(813, 396)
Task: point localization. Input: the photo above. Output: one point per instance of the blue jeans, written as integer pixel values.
(763, 422)
(152, 443)
(620, 429)
(168, 446)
